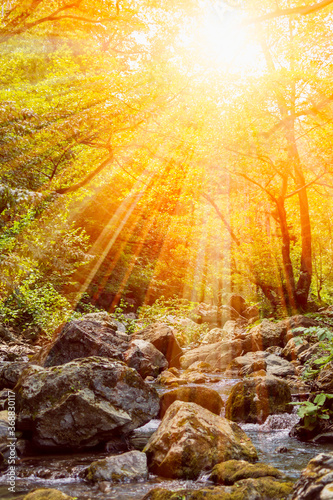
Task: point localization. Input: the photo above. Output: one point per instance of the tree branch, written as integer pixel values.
(303, 10)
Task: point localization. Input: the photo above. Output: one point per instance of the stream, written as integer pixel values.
(62, 472)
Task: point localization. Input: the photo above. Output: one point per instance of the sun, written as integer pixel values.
(223, 38)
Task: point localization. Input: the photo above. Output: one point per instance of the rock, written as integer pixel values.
(17, 351)
(104, 318)
(262, 360)
(203, 396)
(267, 334)
(253, 399)
(324, 380)
(251, 313)
(169, 379)
(292, 350)
(200, 366)
(262, 488)
(6, 334)
(10, 373)
(191, 439)
(163, 338)
(316, 481)
(309, 353)
(238, 303)
(279, 367)
(230, 327)
(47, 494)
(233, 470)
(214, 335)
(81, 339)
(145, 358)
(128, 467)
(215, 317)
(219, 355)
(249, 363)
(83, 403)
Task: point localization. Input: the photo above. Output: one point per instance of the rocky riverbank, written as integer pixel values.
(89, 389)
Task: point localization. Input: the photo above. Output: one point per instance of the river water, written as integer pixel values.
(62, 472)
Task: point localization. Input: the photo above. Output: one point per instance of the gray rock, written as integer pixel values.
(128, 467)
(279, 367)
(83, 403)
(81, 339)
(145, 358)
(10, 373)
(163, 338)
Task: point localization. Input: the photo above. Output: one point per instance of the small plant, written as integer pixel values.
(311, 412)
(325, 337)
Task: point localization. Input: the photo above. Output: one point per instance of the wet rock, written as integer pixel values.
(128, 467)
(262, 488)
(316, 481)
(233, 470)
(47, 494)
(203, 396)
(145, 358)
(163, 338)
(191, 439)
(83, 403)
(254, 399)
(218, 355)
(10, 373)
(81, 339)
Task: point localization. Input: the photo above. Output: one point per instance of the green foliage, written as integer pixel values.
(33, 304)
(313, 412)
(325, 336)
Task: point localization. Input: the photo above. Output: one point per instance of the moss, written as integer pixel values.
(47, 494)
(233, 470)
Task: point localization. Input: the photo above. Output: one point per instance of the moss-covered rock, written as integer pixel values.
(46, 494)
(254, 399)
(265, 488)
(234, 470)
(191, 439)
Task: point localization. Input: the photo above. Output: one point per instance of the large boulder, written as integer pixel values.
(192, 439)
(80, 339)
(145, 358)
(252, 400)
(316, 481)
(163, 338)
(219, 354)
(214, 335)
(203, 396)
(83, 403)
(127, 467)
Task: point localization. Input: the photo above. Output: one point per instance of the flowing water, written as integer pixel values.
(62, 472)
